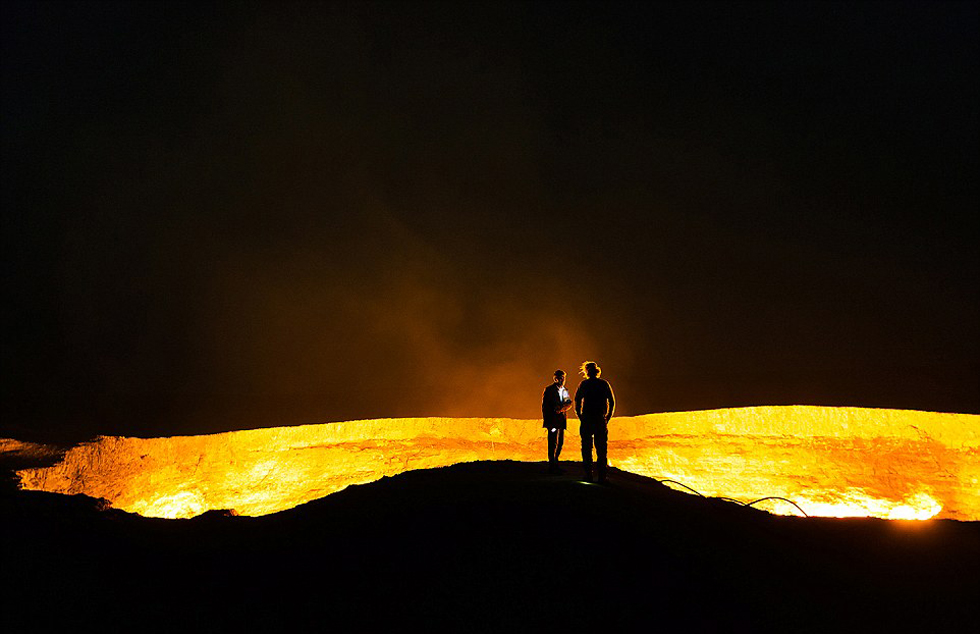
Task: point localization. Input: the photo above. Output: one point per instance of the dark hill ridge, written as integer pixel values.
(491, 546)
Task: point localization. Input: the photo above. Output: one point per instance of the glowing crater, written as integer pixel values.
(837, 462)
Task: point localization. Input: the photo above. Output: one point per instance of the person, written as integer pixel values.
(554, 404)
(594, 406)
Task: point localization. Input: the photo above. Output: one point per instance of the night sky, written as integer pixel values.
(227, 216)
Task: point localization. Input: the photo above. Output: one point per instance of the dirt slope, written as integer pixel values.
(487, 546)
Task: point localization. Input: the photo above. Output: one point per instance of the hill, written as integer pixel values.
(486, 546)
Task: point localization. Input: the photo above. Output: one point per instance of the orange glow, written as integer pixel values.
(837, 462)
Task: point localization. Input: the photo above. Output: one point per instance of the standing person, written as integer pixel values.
(594, 406)
(554, 404)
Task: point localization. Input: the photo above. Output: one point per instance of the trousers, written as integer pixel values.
(555, 440)
(594, 432)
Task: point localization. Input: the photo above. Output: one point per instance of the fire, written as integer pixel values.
(857, 503)
(837, 462)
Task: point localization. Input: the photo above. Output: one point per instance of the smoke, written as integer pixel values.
(394, 328)
(228, 217)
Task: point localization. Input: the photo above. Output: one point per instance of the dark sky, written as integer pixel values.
(237, 215)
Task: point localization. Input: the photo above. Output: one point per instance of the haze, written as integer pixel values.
(241, 216)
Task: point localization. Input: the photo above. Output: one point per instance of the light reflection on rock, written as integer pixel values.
(836, 462)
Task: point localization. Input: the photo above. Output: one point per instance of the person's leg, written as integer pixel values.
(552, 453)
(554, 450)
(586, 431)
(601, 437)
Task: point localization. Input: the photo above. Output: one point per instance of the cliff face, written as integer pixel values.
(831, 461)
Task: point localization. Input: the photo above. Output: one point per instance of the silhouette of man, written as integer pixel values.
(554, 404)
(594, 406)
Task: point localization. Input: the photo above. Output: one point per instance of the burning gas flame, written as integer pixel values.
(837, 462)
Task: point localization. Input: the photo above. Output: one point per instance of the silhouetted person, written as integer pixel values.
(554, 404)
(594, 406)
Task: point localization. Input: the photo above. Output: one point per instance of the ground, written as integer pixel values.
(488, 546)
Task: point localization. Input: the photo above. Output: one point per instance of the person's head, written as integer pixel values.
(560, 377)
(591, 369)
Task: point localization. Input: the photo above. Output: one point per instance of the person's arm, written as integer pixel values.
(578, 401)
(612, 403)
(546, 407)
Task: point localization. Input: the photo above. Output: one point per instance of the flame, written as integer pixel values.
(836, 462)
(171, 506)
(857, 503)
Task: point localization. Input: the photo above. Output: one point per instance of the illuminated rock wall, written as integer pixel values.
(835, 462)
(831, 461)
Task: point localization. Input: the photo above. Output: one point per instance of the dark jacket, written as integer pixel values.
(594, 400)
(550, 404)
